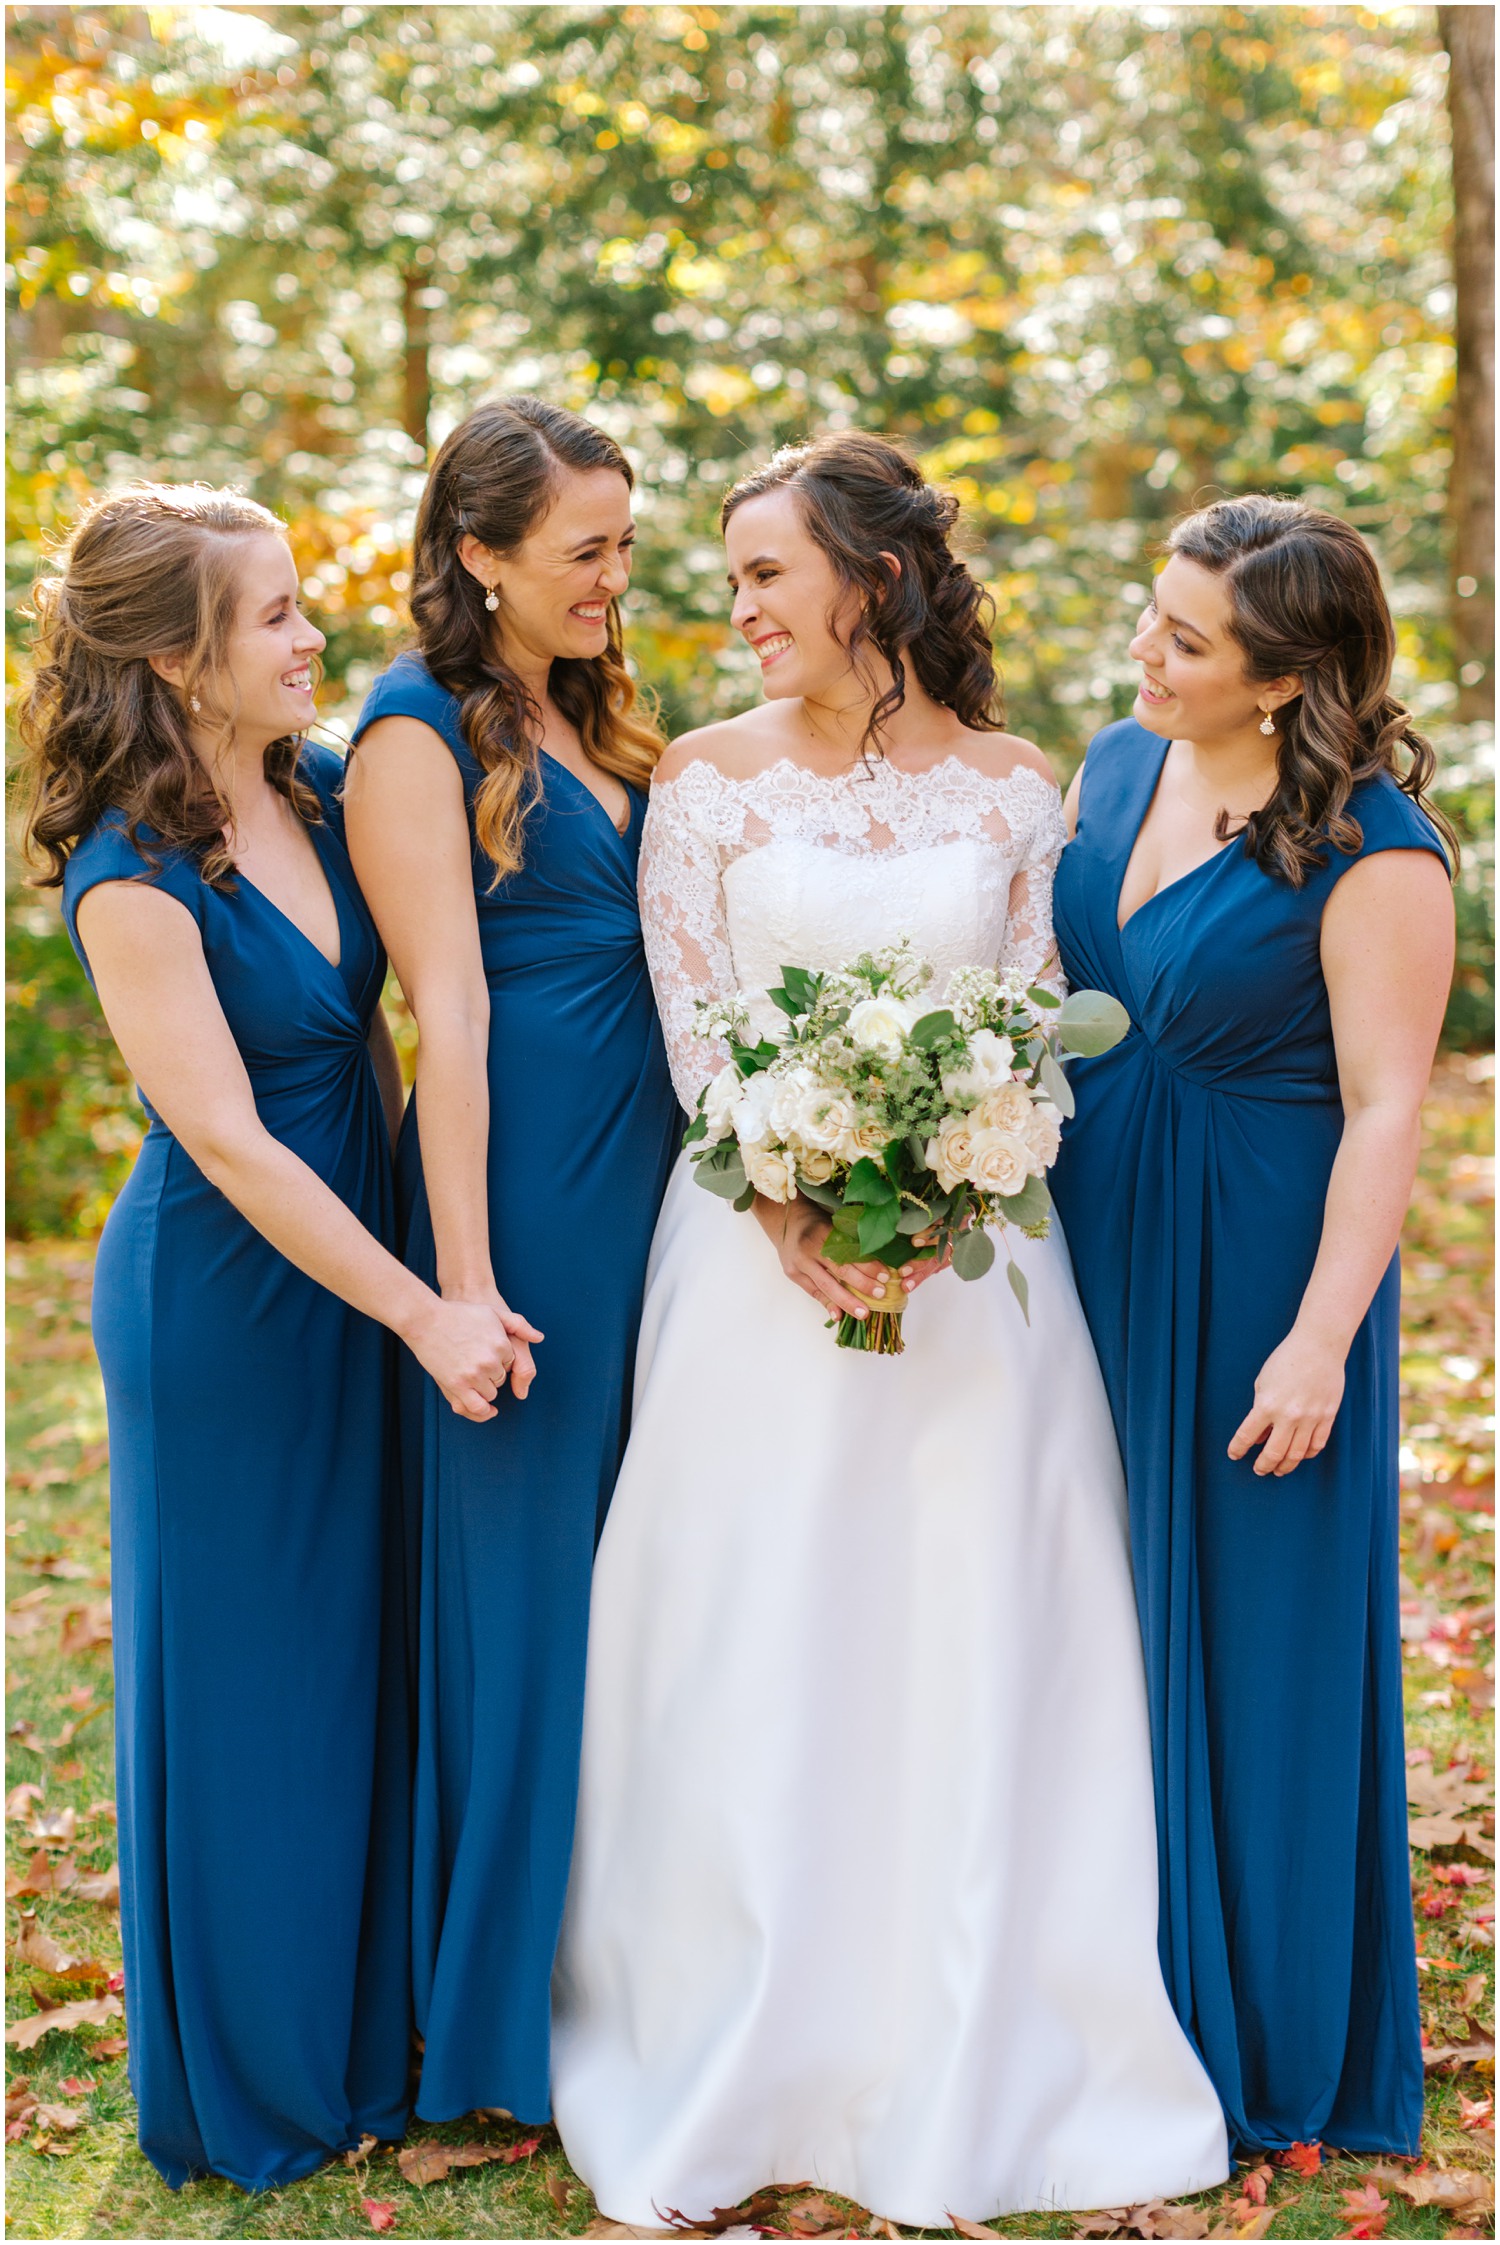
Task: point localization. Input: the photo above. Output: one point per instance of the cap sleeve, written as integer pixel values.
(1390, 820)
(109, 854)
(408, 689)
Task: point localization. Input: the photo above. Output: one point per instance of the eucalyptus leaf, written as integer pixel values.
(1056, 1085)
(696, 1129)
(1019, 1288)
(727, 1179)
(825, 1196)
(973, 1253)
(1091, 1022)
(914, 1218)
(746, 1199)
(1041, 997)
(932, 1029)
(1031, 1205)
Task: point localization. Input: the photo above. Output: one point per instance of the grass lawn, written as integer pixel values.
(74, 2170)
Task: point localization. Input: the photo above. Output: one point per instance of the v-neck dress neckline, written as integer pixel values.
(1236, 842)
(620, 833)
(328, 866)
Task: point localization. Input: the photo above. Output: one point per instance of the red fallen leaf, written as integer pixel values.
(522, 2150)
(1475, 2112)
(16, 2129)
(27, 2032)
(113, 2046)
(73, 2087)
(117, 1983)
(1254, 2185)
(1364, 2211)
(66, 1772)
(378, 2212)
(1303, 2159)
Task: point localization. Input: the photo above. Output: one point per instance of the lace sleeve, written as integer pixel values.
(687, 938)
(1029, 941)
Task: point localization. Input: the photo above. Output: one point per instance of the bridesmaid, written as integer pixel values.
(1257, 877)
(495, 804)
(260, 1690)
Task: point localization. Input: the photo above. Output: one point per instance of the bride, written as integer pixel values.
(864, 1885)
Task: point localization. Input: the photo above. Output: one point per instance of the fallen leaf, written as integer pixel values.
(1254, 2185)
(101, 1886)
(1245, 2224)
(557, 2189)
(1427, 1832)
(509, 2153)
(58, 1827)
(36, 1947)
(86, 1626)
(1476, 2049)
(1475, 2112)
(43, 1877)
(968, 2229)
(113, 2046)
(18, 1801)
(58, 2116)
(1303, 2159)
(1471, 1993)
(378, 2212)
(1364, 2212)
(601, 2226)
(25, 1735)
(73, 2087)
(64, 2016)
(361, 2151)
(814, 2217)
(1458, 2190)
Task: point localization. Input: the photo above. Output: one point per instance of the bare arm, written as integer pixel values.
(1387, 944)
(387, 1066)
(1070, 802)
(408, 839)
(159, 999)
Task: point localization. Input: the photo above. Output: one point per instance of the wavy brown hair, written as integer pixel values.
(1305, 599)
(149, 570)
(495, 478)
(861, 497)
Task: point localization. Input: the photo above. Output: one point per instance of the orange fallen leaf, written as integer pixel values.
(86, 1626)
(1303, 2159)
(36, 1947)
(968, 2229)
(101, 1886)
(43, 1877)
(557, 2190)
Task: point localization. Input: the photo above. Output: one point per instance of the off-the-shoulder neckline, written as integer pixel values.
(859, 771)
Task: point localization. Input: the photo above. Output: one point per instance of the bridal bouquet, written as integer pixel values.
(905, 1122)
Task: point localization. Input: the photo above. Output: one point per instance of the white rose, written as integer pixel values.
(989, 1065)
(787, 1095)
(721, 1102)
(950, 1152)
(816, 1165)
(770, 1173)
(1043, 1134)
(1008, 1107)
(823, 1119)
(752, 1117)
(880, 1025)
(999, 1162)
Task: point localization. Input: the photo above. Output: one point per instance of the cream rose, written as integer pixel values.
(951, 1151)
(999, 1162)
(816, 1164)
(1043, 1134)
(1008, 1107)
(770, 1173)
(880, 1025)
(870, 1138)
(988, 1065)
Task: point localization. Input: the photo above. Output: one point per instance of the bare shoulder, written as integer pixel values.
(1001, 754)
(735, 746)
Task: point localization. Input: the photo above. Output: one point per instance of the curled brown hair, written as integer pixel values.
(495, 478)
(862, 497)
(1305, 599)
(149, 570)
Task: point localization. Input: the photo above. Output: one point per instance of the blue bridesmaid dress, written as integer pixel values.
(262, 1750)
(506, 1514)
(1191, 1184)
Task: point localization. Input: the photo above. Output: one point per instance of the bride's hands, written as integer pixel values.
(797, 1233)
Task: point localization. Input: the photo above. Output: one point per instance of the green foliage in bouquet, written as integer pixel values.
(916, 1130)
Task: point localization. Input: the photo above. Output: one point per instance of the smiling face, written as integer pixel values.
(1193, 683)
(265, 683)
(555, 588)
(785, 591)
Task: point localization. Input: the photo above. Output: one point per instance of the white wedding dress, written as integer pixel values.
(864, 1885)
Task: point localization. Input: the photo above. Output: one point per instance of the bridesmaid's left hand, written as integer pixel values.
(1297, 1397)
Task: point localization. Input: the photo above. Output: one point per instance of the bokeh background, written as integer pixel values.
(1093, 263)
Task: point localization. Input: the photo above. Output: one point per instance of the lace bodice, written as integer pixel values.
(740, 877)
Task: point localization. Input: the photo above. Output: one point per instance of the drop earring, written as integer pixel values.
(194, 704)
(492, 600)
(1265, 725)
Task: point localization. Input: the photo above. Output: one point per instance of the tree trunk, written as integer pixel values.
(1468, 33)
(416, 391)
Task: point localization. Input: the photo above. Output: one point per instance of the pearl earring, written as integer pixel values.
(1265, 723)
(492, 600)
(194, 703)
